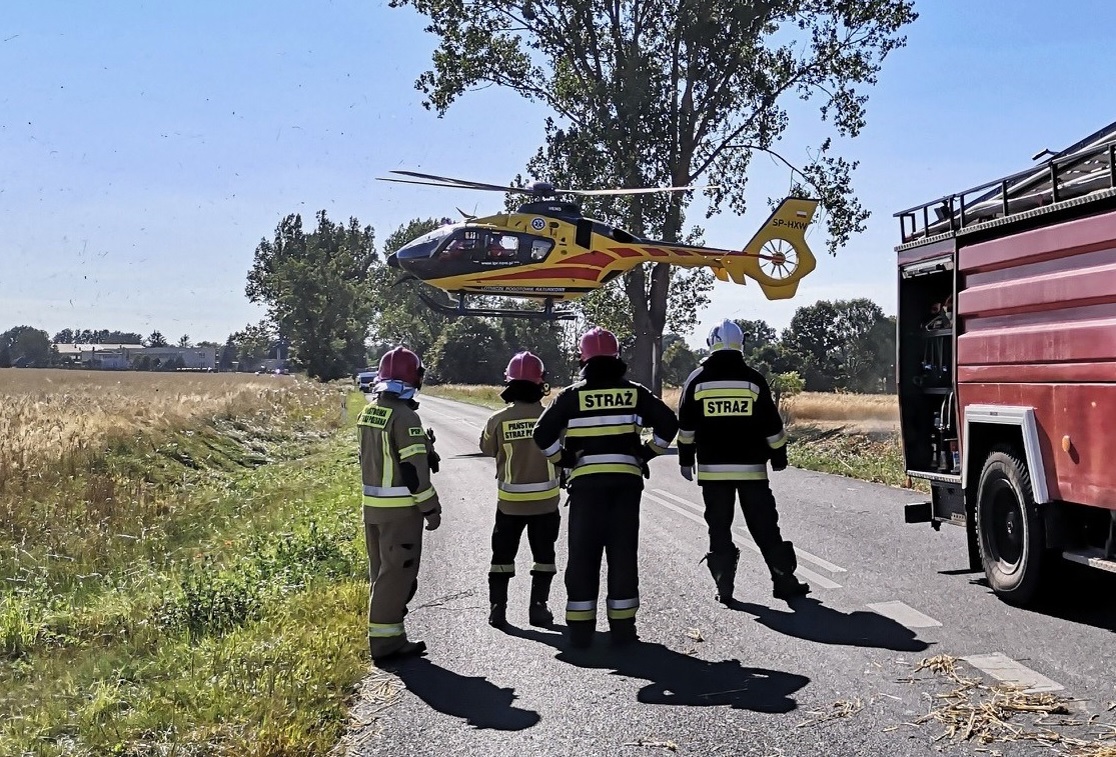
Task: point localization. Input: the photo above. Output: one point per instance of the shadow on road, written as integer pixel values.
(679, 679)
(472, 698)
(809, 619)
(1074, 593)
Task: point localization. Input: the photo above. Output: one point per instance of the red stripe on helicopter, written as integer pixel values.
(626, 252)
(599, 259)
(557, 272)
(656, 252)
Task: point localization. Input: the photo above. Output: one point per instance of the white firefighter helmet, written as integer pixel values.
(726, 335)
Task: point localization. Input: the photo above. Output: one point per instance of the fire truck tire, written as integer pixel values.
(1010, 529)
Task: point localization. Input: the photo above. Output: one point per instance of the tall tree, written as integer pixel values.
(26, 346)
(315, 287)
(399, 316)
(679, 361)
(65, 336)
(843, 344)
(184, 340)
(757, 333)
(671, 92)
(468, 351)
(155, 339)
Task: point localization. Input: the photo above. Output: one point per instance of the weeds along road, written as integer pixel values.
(830, 674)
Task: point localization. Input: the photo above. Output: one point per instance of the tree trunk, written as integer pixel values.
(641, 364)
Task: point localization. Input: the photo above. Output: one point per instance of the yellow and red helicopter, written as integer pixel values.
(549, 252)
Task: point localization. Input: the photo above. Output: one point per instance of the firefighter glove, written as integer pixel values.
(433, 520)
(568, 458)
(435, 461)
(779, 459)
(687, 472)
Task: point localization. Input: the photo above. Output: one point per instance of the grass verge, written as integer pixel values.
(219, 613)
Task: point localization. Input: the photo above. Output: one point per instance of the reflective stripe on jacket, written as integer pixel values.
(527, 483)
(728, 421)
(593, 428)
(394, 457)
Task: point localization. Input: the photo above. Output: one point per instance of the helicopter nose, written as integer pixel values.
(393, 261)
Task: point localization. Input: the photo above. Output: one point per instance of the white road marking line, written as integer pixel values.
(1003, 668)
(820, 562)
(810, 575)
(904, 614)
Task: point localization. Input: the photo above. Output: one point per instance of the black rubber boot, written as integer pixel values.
(410, 649)
(581, 632)
(498, 599)
(722, 566)
(498, 616)
(538, 613)
(786, 584)
(622, 632)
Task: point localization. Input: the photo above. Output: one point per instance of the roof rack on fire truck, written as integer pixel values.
(1082, 172)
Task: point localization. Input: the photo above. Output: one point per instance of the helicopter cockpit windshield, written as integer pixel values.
(425, 246)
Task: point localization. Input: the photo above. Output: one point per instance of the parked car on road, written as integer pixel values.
(366, 380)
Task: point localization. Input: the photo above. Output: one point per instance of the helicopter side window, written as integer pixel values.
(503, 247)
(461, 247)
(540, 248)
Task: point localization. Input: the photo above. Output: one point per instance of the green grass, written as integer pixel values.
(224, 615)
(868, 457)
(876, 457)
(485, 396)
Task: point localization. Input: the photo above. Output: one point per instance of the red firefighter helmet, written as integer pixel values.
(400, 364)
(525, 366)
(598, 342)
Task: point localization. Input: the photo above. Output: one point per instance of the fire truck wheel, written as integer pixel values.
(1009, 528)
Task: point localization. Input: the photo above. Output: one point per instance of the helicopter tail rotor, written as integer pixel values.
(777, 257)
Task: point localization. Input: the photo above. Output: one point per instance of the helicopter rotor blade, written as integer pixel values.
(446, 186)
(460, 183)
(640, 191)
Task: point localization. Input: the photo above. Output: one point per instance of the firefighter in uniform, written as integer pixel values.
(593, 429)
(729, 423)
(528, 491)
(395, 465)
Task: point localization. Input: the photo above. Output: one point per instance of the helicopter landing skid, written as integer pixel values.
(548, 313)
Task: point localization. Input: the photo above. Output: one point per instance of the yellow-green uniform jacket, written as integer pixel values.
(527, 481)
(394, 461)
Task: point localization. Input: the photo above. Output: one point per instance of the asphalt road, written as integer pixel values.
(830, 674)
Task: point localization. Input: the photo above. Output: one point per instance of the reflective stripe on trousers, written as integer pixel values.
(756, 472)
(384, 630)
(586, 610)
(619, 609)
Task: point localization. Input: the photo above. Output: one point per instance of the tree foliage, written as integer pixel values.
(467, 352)
(155, 339)
(845, 344)
(25, 346)
(315, 287)
(399, 316)
(98, 336)
(671, 92)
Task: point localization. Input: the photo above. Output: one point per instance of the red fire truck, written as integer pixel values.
(1006, 364)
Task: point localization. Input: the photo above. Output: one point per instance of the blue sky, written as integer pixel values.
(146, 147)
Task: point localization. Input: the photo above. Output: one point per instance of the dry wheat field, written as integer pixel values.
(46, 413)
